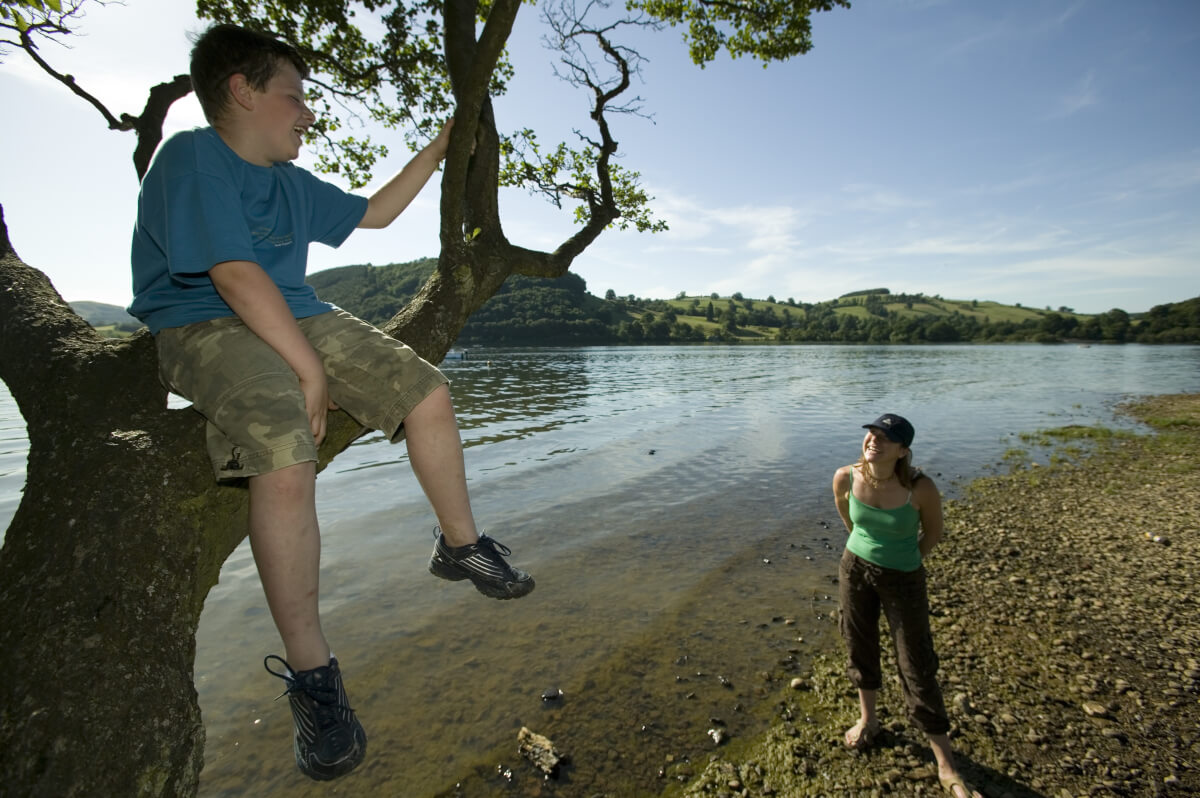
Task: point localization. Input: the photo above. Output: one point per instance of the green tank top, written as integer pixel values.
(887, 538)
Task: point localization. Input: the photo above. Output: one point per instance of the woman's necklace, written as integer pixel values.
(875, 484)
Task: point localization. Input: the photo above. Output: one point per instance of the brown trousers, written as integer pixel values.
(864, 589)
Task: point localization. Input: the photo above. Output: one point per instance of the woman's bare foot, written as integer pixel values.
(956, 787)
(861, 735)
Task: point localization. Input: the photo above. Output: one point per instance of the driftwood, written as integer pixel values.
(539, 751)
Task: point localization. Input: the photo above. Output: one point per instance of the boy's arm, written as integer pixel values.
(387, 203)
(256, 300)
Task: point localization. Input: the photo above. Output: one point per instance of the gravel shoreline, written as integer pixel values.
(1069, 640)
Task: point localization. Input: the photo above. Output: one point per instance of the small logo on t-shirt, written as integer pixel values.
(264, 234)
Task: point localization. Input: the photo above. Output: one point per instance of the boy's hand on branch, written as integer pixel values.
(441, 142)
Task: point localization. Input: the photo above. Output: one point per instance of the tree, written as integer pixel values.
(1114, 325)
(847, 328)
(1053, 324)
(941, 331)
(101, 589)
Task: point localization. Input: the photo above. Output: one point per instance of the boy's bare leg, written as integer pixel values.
(435, 451)
(286, 542)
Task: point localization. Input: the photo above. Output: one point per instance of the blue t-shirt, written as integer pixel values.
(200, 204)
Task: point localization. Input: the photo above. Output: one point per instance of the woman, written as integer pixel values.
(894, 515)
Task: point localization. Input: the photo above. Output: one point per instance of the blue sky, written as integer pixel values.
(1045, 152)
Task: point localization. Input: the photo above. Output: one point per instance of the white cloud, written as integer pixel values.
(879, 199)
(1083, 96)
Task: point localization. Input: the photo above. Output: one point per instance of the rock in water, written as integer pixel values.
(539, 751)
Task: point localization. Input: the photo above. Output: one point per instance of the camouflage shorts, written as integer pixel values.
(252, 400)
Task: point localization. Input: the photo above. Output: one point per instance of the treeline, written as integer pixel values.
(886, 323)
(535, 311)
(1174, 323)
(824, 325)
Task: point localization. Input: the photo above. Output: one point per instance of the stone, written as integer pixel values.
(540, 752)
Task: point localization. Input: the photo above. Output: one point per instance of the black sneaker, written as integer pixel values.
(329, 740)
(483, 563)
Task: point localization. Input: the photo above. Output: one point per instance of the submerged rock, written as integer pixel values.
(539, 751)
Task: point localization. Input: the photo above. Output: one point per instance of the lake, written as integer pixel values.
(673, 504)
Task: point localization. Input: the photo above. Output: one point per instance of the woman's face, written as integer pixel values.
(879, 448)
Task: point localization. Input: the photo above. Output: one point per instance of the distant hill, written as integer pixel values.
(109, 320)
(99, 314)
(373, 293)
(530, 311)
(525, 311)
(560, 312)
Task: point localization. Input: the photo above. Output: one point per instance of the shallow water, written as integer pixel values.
(673, 505)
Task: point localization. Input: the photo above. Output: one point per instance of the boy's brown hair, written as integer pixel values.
(226, 50)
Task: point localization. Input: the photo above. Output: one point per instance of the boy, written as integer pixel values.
(219, 255)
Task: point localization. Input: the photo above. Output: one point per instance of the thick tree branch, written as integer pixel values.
(149, 125)
(470, 184)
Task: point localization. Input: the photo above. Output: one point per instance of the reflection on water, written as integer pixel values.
(673, 505)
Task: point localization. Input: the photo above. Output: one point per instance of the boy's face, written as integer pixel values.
(280, 118)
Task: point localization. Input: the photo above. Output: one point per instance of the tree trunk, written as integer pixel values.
(120, 534)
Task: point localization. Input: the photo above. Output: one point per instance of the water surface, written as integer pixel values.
(672, 503)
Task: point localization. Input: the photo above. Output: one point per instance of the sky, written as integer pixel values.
(1041, 152)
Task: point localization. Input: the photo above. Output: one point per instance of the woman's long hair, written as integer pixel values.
(904, 469)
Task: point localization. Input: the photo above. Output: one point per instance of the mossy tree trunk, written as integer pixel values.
(121, 531)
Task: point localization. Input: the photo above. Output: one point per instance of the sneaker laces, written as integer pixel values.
(484, 541)
(324, 696)
(494, 545)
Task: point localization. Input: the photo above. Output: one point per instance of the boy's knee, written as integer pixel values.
(293, 482)
(436, 406)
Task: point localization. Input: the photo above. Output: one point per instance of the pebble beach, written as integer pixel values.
(1065, 615)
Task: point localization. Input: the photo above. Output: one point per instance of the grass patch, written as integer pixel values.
(1172, 422)
(1076, 432)
(1172, 411)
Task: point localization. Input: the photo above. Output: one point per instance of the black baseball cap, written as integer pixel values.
(895, 427)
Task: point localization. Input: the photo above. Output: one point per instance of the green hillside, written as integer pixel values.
(373, 293)
(560, 312)
(530, 311)
(109, 320)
